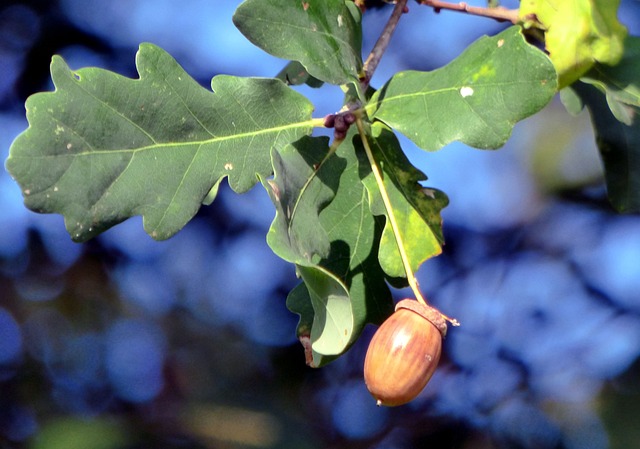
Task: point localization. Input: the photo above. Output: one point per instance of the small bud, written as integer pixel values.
(329, 120)
(349, 118)
(339, 124)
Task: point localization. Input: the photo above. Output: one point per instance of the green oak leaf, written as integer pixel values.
(345, 287)
(578, 33)
(102, 148)
(476, 99)
(416, 209)
(299, 192)
(619, 146)
(355, 235)
(325, 36)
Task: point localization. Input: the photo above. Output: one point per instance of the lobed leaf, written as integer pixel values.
(416, 209)
(102, 148)
(476, 99)
(325, 36)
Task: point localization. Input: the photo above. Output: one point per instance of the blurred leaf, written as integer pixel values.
(578, 33)
(294, 74)
(68, 433)
(324, 35)
(476, 99)
(620, 83)
(612, 95)
(619, 146)
(571, 101)
(564, 156)
(103, 148)
(417, 210)
(619, 408)
(345, 286)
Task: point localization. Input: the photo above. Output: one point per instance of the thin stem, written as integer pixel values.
(413, 282)
(382, 43)
(317, 122)
(411, 278)
(500, 13)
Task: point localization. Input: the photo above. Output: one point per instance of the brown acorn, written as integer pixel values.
(404, 353)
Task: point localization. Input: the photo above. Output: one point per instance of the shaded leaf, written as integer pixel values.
(102, 148)
(619, 146)
(333, 320)
(299, 302)
(294, 74)
(476, 99)
(416, 209)
(299, 192)
(578, 33)
(324, 35)
(620, 83)
(350, 270)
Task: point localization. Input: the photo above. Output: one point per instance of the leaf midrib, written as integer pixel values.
(217, 139)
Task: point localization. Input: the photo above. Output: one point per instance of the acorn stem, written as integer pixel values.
(411, 278)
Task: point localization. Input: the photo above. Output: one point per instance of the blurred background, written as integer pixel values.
(124, 342)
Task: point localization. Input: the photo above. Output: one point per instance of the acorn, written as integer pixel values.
(404, 353)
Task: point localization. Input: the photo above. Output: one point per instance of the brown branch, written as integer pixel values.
(500, 13)
(382, 43)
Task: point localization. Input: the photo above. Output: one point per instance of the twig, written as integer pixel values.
(500, 13)
(382, 43)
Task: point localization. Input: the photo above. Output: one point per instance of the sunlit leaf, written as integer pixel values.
(324, 35)
(416, 208)
(102, 148)
(578, 33)
(476, 99)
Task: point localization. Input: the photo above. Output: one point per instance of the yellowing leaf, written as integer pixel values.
(578, 33)
(416, 209)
